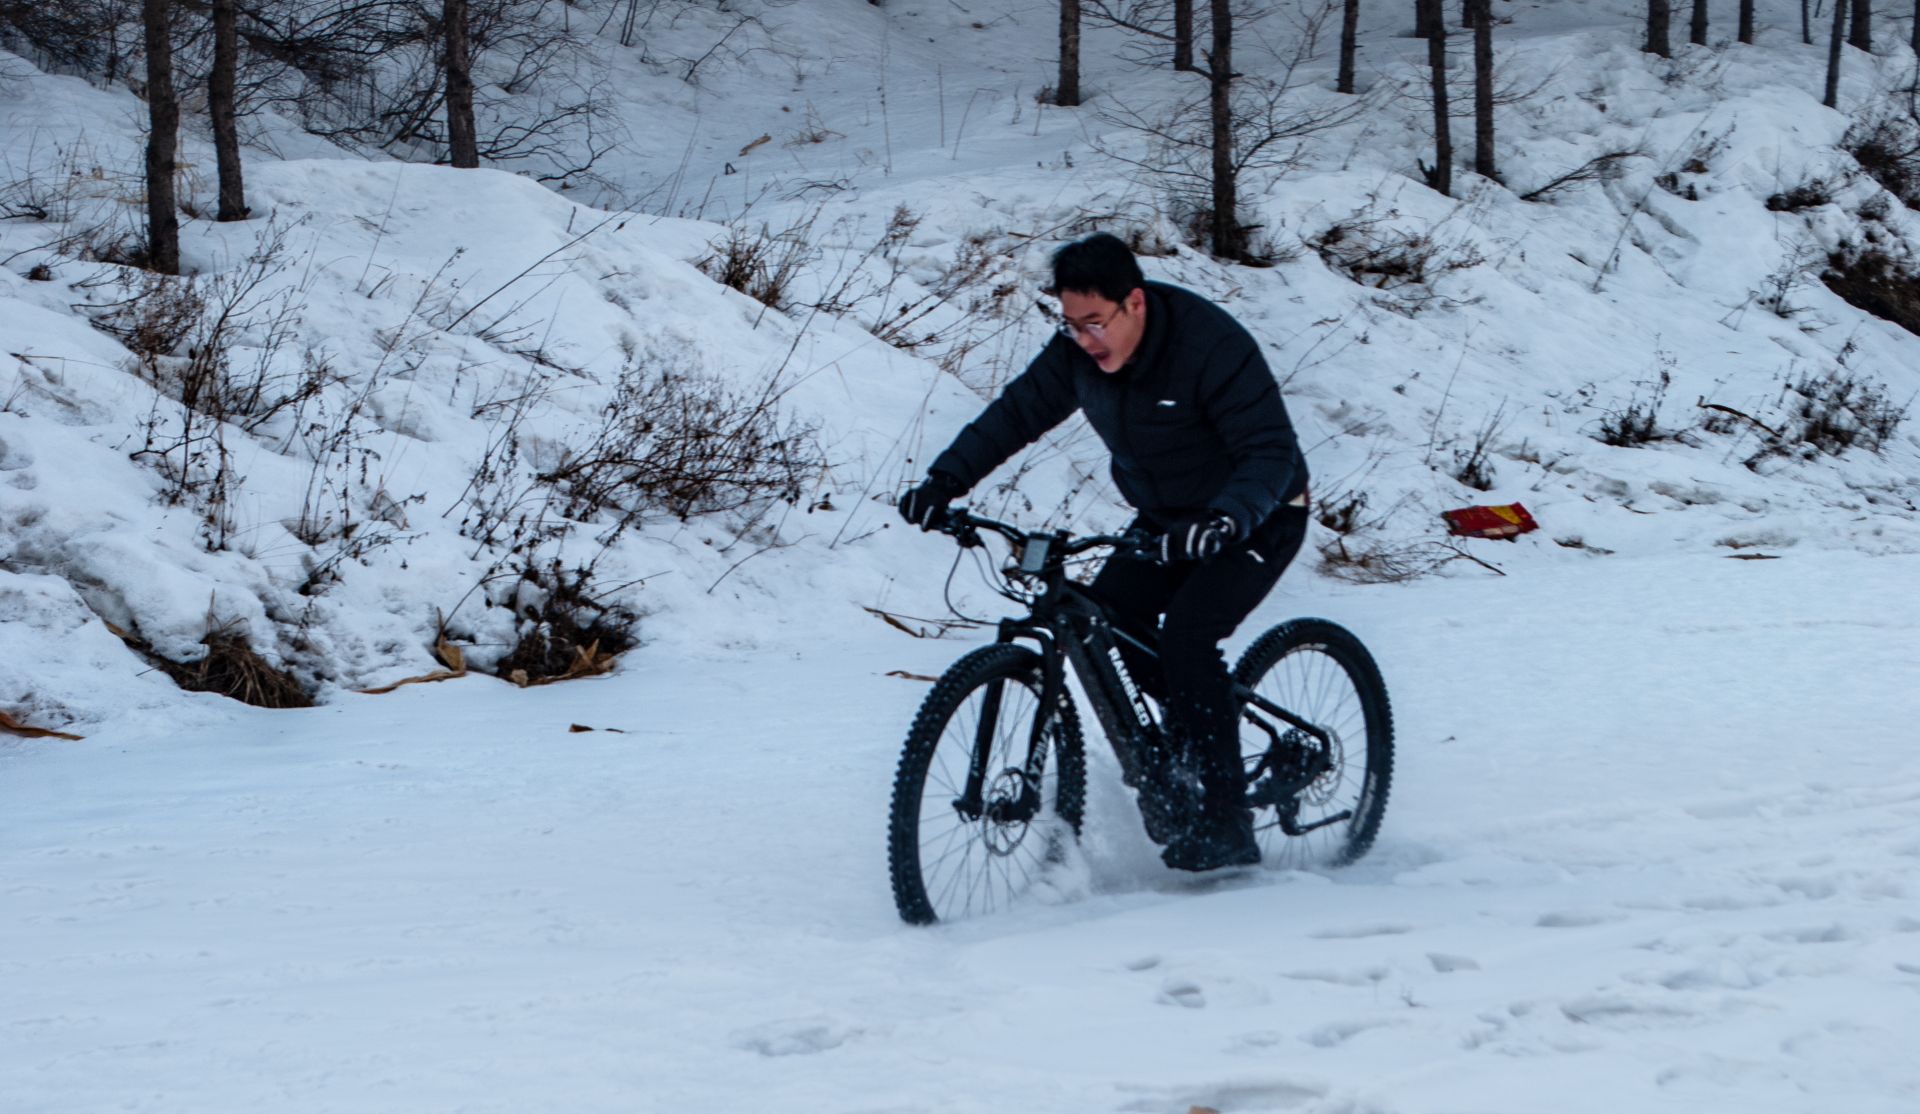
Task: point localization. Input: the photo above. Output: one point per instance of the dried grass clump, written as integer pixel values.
(232, 668)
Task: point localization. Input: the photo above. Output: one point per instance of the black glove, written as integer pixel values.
(926, 506)
(1196, 539)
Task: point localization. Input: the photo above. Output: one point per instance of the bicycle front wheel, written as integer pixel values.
(1321, 673)
(990, 789)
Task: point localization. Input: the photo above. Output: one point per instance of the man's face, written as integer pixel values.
(1110, 332)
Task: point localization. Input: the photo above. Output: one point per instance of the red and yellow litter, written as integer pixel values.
(1509, 521)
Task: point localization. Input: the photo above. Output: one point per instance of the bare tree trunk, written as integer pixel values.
(1916, 26)
(1066, 93)
(1697, 30)
(463, 142)
(1426, 15)
(1183, 35)
(1659, 16)
(1834, 46)
(1483, 163)
(222, 106)
(1746, 21)
(1440, 175)
(1862, 33)
(1229, 242)
(1349, 32)
(1806, 23)
(163, 139)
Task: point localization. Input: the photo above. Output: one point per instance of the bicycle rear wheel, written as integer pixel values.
(1321, 673)
(982, 802)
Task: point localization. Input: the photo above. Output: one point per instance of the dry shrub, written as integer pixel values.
(1810, 194)
(564, 629)
(1638, 421)
(1473, 462)
(232, 668)
(1602, 168)
(978, 283)
(155, 318)
(187, 336)
(1831, 413)
(1341, 513)
(684, 444)
(1405, 262)
(761, 264)
(1887, 147)
(1376, 560)
(1358, 549)
(1878, 276)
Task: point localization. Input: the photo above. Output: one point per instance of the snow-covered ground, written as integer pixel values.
(1654, 845)
(1655, 829)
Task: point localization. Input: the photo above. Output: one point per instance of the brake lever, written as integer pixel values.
(964, 532)
(1143, 544)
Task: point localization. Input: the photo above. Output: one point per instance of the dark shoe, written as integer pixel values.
(1169, 800)
(1210, 846)
(1165, 817)
(1169, 794)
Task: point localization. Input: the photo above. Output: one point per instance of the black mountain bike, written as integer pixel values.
(991, 786)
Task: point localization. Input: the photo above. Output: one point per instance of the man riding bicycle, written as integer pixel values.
(1203, 449)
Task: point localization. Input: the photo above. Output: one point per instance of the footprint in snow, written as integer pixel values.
(1340, 1032)
(794, 1038)
(1584, 919)
(1367, 976)
(1723, 975)
(1627, 1014)
(1360, 932)
(1180, 992)
(1811, 888)
(1448, 964)
(1829, 934)
(1248, 1096)
(1722, 903)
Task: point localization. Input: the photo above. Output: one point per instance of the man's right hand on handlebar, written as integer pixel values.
(926, 506)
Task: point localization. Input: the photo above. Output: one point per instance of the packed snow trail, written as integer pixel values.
(1654, 845)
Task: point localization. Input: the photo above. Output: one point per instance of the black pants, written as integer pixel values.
(1202, 603)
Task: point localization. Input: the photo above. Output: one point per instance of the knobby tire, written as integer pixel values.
(1319, 671)
(943, 864)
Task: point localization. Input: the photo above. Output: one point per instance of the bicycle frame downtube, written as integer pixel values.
(1123, 711)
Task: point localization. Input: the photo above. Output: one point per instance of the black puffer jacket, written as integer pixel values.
(1194, 420)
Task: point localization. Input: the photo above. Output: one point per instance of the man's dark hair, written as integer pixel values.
(1100, 264)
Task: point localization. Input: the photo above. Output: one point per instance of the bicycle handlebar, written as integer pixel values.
(965, 526)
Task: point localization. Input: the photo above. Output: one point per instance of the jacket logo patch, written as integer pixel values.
(1167, 402)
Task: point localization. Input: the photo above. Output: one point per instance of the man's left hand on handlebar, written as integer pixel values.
(926, 506)
(1196, 539)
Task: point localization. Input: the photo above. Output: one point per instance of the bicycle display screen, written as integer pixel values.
(1033, 555)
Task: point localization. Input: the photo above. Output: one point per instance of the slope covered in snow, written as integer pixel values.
(421, 345)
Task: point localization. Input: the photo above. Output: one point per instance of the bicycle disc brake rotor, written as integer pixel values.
(1009, 809)
(1321, 789)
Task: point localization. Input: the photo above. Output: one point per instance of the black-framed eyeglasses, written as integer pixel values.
(1095, 329)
